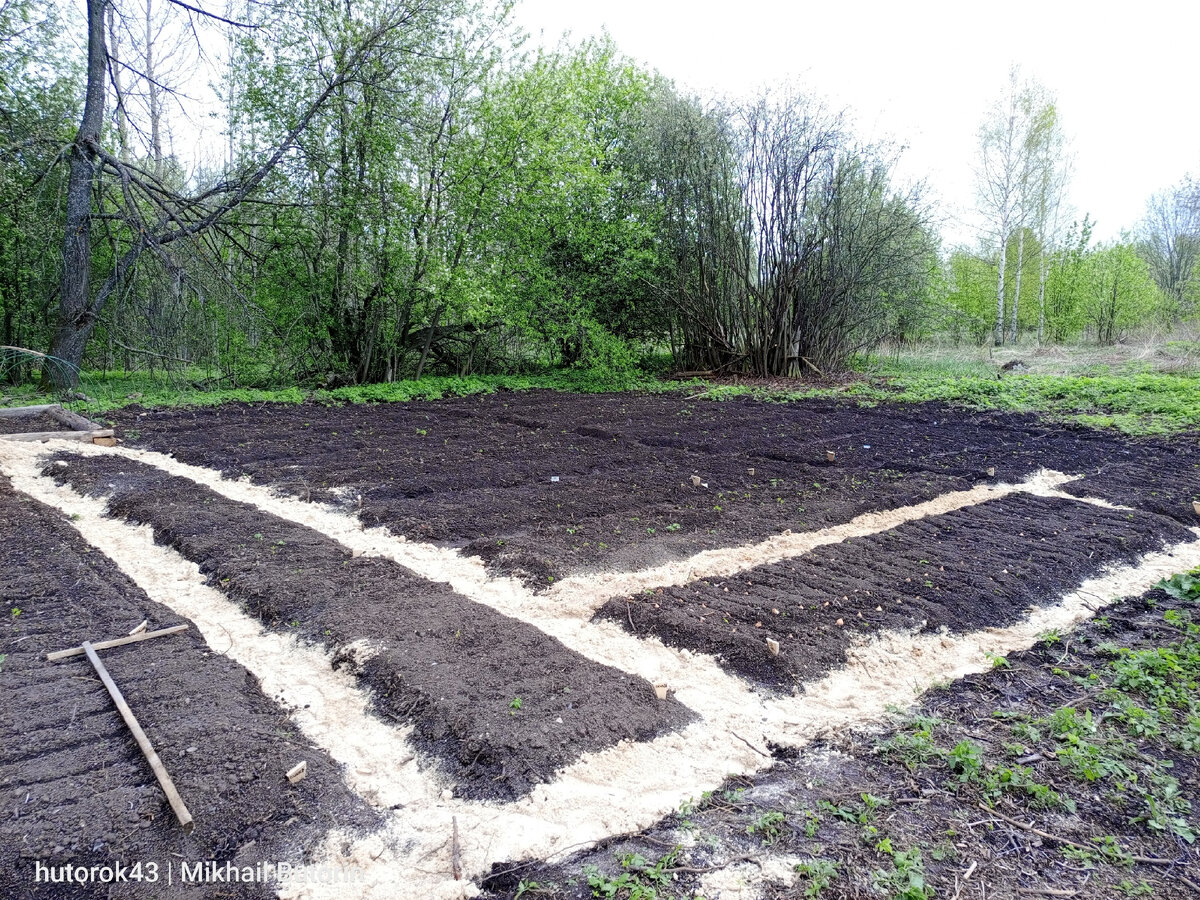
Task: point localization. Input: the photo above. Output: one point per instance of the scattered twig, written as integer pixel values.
(965, 878)
(750, 745)
(1151, 860)
(699, 870)
(455, 859)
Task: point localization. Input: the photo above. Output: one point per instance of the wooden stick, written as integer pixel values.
(455, 859)
(160, 771)
(813, 366)
(1059, 840)
(118, 642)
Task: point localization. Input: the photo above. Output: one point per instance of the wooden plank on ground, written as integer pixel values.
(160, 771)
(58, 435)
(117, 642)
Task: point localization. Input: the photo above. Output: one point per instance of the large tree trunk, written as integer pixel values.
(76, 318)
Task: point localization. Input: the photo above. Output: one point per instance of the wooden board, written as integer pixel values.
(117, 642)
(58, 435)
(160, 771)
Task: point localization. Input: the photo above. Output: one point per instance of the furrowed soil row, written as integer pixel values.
(544, 485)
(961, 571)
(77, 790)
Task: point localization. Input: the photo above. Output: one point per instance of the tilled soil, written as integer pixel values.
(544, 484)
(26, 424)
(499, 702)
(76, 787)
(973, 568)
(845, 806)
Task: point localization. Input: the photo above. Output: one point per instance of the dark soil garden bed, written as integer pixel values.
(1089, 738)
(37, 422)
(77, 789)
(973, 568)
(480, 471)
(501, 703)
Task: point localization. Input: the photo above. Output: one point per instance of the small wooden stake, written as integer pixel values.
(118, 642)
(695, 481)
(298, 771)
(455, 858)
(160, 771)
(991, 471)
(830, 456)
(750, 471)
(772, 646)
(660, 690)
(1196, 506)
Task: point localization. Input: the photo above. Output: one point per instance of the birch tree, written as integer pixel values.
(1020, 143)
(1170, 241)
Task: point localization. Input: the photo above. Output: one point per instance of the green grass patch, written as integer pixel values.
(1125, 398)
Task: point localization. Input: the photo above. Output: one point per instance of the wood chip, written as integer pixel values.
(140, 628)
(772, 646)
(830, 456)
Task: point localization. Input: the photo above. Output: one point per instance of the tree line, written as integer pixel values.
(404, 188)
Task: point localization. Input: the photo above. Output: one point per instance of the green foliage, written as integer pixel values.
(1183, 586)
(768, 827)
(818, 874)
(965, 761)
(906, 879)
(638, 880)
(39, 109)
(1122, 294)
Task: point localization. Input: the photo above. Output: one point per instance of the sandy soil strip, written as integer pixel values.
(589, 592)
(326, 705)
(576, 598)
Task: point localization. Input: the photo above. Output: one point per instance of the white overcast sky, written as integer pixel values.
(1127, 77)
